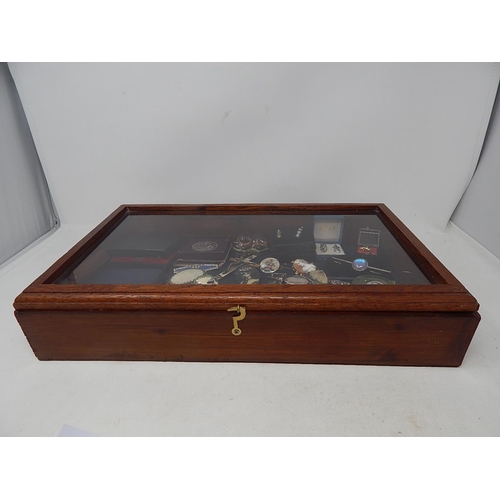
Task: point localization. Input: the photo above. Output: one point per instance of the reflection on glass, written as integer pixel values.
(275, 249)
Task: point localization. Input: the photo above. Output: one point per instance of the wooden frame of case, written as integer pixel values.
(422, 325)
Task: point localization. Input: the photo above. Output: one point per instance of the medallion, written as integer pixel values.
(205, 246)
(269, 265)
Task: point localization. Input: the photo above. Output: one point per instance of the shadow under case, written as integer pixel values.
(314, 283)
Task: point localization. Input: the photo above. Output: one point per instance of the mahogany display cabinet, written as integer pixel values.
(320, 283)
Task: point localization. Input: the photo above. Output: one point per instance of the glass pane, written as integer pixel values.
(248, 249)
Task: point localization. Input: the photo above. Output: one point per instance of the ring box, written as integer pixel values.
(368, 241)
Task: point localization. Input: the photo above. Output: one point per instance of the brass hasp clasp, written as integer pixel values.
(242, 312)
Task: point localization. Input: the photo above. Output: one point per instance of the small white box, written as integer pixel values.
(328, 235)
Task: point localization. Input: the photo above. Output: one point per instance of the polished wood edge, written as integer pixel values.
(200, 290)
(256, 208)
(446, 302)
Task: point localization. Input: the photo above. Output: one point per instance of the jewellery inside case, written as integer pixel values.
(269, 265)
(304, 252)
(277, 278)
(318, 276)
(246, 244)
(187, 276)
(372, 280)
(328, 235)
(247, 275)
(233, 266)
(368, 241)
(297, 280)
(360, 265)
(203, 267)
(300, 266)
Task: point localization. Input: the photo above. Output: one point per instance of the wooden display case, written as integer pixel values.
(249, 283)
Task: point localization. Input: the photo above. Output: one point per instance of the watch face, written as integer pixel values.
(205, 246)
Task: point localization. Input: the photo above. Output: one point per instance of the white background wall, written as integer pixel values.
(407, 135)
(478, 210)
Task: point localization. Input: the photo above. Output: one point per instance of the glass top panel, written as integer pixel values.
(248, 249)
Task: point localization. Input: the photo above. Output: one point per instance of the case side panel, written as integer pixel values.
(412, 339)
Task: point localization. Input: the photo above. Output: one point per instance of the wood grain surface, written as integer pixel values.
(422, 339)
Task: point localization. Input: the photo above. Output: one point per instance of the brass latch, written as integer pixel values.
(242, 312)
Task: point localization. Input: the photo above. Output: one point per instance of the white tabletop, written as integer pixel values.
(237, 399)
